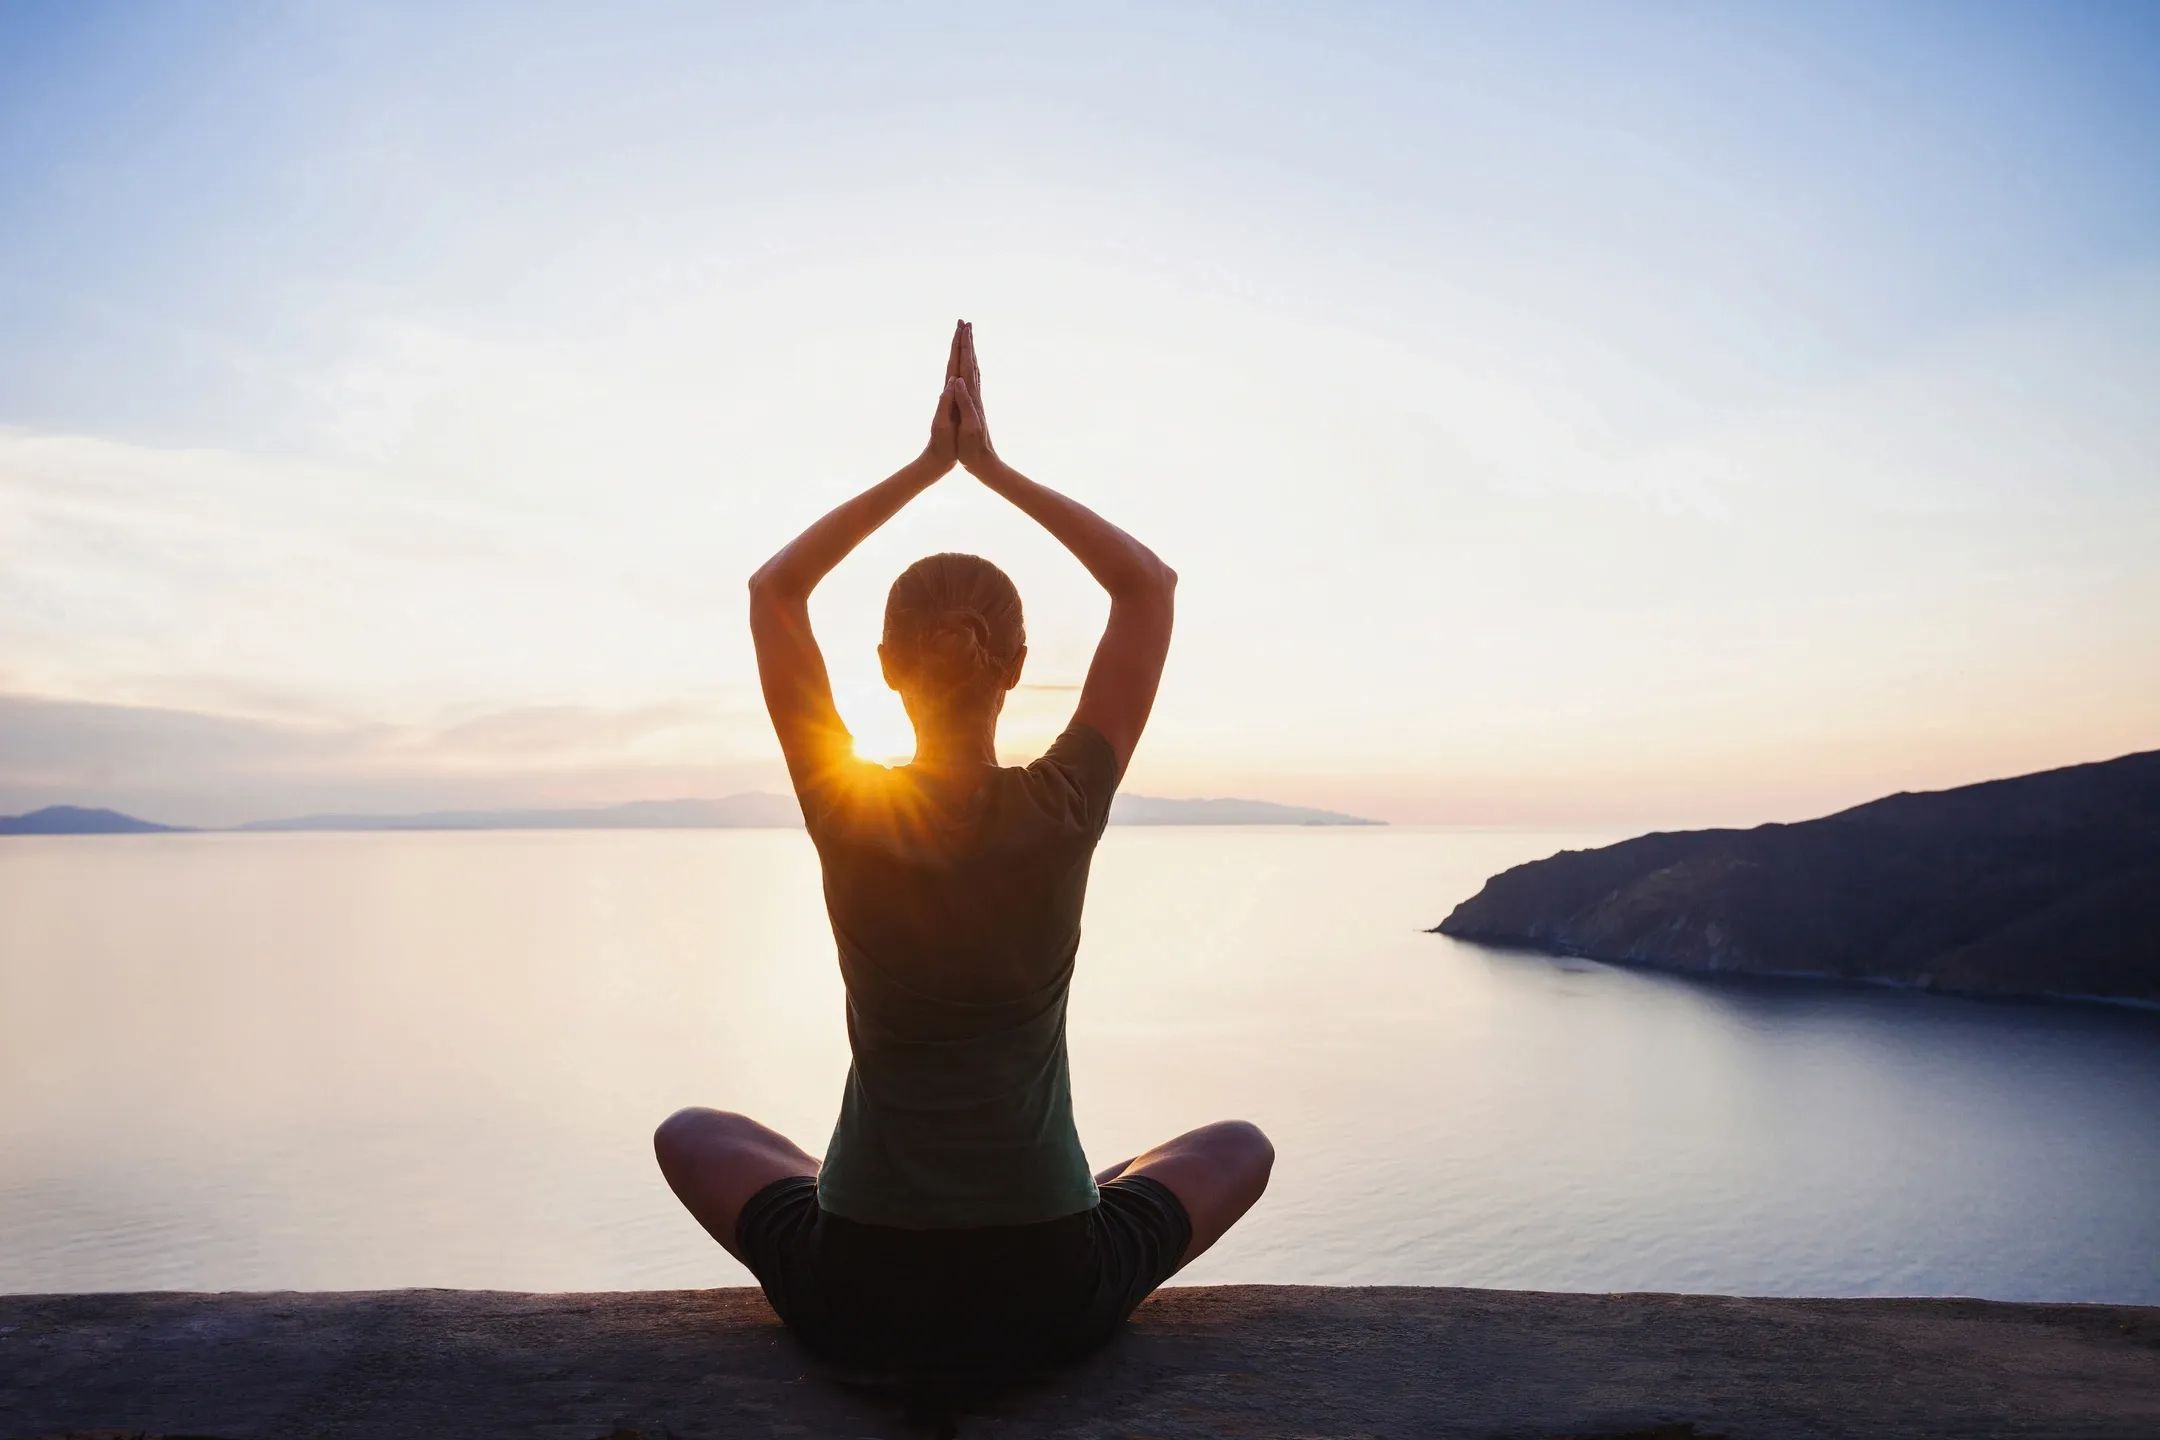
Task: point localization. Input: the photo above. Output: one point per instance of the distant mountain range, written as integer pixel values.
(1154, 810)
(2045, 884)
(75, 820)
(753, 811)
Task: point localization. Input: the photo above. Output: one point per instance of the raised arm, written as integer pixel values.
(791, 668)
(1127, 668)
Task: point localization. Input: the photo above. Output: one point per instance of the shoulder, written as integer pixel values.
(840, 789)
(1079, 747)
(1076, 777)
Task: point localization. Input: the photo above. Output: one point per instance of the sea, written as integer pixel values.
(359, 1061)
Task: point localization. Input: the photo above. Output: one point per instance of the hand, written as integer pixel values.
(942, 451)
(975, 450)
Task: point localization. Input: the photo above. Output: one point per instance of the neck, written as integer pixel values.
(957, 743)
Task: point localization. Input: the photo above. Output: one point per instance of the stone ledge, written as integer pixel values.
(1246, 1360)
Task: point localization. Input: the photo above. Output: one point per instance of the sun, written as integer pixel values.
(880, 727)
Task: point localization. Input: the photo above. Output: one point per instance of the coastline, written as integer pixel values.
(1809, 977)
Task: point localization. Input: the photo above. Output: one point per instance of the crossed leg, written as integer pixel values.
(715, 1160)
(1217, 1172)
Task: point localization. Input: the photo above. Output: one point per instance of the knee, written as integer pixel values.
(688, 1131)
(1249, 1144)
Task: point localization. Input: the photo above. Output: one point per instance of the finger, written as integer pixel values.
(955, 358)
(970, 408)
(974, 387)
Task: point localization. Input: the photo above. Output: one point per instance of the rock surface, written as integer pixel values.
(1231, 1361)
(2046, 884)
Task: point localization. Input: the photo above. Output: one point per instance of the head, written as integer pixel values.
(954, 642)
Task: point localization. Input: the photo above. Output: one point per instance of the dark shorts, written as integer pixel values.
(994, 1299)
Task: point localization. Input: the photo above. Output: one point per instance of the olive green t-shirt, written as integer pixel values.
(956, 908)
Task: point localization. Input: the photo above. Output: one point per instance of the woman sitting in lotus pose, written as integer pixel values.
(954, 1223)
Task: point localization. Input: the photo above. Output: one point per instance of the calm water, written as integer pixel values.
(355, 1061)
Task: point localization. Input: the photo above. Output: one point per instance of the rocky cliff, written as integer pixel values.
(2045, 884)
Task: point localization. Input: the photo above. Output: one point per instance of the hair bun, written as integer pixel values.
(955, 649)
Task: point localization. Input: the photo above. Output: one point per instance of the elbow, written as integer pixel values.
(767, 583)
(1140, 578)
(1149, 585)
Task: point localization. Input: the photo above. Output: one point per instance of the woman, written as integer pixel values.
(953, 1224)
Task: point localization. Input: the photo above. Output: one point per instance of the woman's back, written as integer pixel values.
(957, 917)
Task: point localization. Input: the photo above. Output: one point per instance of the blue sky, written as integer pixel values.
(1558, 413)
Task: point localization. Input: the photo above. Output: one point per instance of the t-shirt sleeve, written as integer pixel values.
(1076, 777)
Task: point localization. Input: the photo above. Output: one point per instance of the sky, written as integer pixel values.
(1557, 415)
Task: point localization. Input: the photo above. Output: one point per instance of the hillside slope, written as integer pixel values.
(2046, 884)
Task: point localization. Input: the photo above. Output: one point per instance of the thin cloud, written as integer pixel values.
(189, 767)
